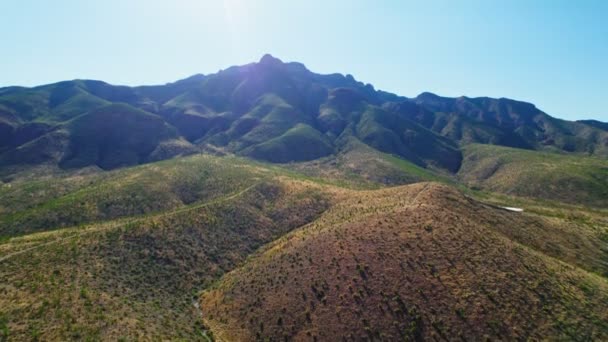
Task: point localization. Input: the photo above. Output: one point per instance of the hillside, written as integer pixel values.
(416, 262)
(75, 199)
(134, 275)
(559, 177)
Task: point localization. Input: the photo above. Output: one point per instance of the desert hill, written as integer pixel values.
(421, 262)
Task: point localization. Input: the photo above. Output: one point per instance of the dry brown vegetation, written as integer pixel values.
(307, 259)
(417, 262)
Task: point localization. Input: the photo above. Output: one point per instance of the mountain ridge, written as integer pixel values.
(246, 110)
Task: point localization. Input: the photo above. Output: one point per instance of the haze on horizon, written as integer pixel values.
(550, 53)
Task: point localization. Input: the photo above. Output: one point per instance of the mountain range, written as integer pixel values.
(271, 111)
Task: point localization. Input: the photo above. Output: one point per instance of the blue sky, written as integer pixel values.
(552, 53)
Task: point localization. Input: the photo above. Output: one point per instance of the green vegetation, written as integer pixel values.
(75, 200)
(300, 143)
(359, 166)
(397, 135)
(505, 122)
(416, 172)
(113, 136)
(559, 177)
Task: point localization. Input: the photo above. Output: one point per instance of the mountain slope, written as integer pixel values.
(416, 262)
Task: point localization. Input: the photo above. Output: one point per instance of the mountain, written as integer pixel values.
(508, 123)
(271, 111)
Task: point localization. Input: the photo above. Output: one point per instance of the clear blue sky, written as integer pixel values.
(552, 53)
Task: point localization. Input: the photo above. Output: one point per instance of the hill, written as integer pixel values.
(133, 275)
(76, 199)
(416, 263)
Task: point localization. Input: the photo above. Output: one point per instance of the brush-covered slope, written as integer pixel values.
(567, 178)
(417, 262)
(136, 277)
(396, 135)
(70, 200)
(61, 101)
